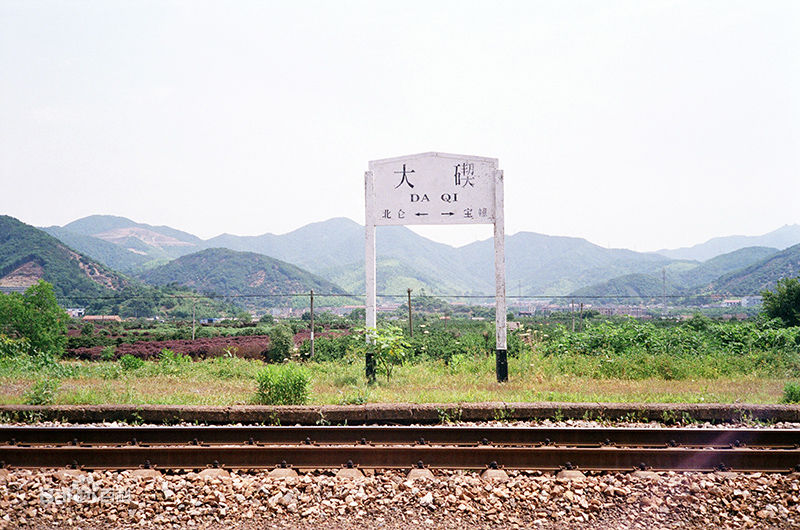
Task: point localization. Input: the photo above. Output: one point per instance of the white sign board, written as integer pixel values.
(434, 188)
(437, 188)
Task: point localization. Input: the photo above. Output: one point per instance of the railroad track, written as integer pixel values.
(534, 448)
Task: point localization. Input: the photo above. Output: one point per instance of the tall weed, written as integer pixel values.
(282, 384)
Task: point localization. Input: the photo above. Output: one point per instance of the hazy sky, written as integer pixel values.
(640, 124)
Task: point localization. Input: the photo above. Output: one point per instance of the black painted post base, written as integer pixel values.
(370, 368)
(501, 363)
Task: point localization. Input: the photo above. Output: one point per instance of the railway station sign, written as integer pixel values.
(434, 188)
(437, 188)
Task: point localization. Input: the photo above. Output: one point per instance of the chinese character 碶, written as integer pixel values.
(467, 171)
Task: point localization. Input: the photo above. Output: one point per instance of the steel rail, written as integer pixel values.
(546, 458)
(433, 435)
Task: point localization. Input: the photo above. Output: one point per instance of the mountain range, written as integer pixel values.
(782, 238)
(28, 254)
(536, 264)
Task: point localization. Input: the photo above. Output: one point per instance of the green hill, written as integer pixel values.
(724, 264)
(28, 254)
(761, 275)
(628, 289)
(158, 243)
(683, 278)
(115, 256)
(334, 250)
(542, 264)
(245, 274)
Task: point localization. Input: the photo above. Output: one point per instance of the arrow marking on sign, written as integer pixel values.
(448, 213)
(418, 214)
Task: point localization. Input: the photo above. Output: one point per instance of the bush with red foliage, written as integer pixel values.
(246, 346)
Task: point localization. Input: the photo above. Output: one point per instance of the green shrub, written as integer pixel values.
(129, 363)
(107, 353)
(43, 392)
(387, 346)
(791, 393)
(328, 348)
(229, 367)
(11, 347)
(170, 362)
(36, 316)
(281, 343)
(784, 303)
(206, 332)
(282, 384)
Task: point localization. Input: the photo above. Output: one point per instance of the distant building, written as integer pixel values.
(732, 303)
(345, 309)
(752, 301)
(102, 318)
(76, 312)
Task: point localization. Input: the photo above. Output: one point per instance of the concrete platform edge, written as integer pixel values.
(402, 413)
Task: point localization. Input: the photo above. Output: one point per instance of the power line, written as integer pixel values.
(387, 295)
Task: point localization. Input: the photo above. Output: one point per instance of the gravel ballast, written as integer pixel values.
(387, 499)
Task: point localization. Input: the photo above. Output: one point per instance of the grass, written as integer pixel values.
(534, 376)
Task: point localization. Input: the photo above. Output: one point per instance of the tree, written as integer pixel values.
(358, 314)
(387, 347)
(281, 342)
(36, 316)
(784, 303)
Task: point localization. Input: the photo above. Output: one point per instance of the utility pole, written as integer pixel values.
(580, 325)
(572, 311)
(410, 325)
(312, 323)
(664, 288)
(193, 320)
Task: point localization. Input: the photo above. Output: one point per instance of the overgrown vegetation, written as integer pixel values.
(280, 343)
(36, 317)
(605, 358)
(43, 392)
(386, 346)
(784, 303)
(282, 384)
(791, 392)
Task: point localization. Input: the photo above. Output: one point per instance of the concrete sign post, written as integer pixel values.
(437, 188)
